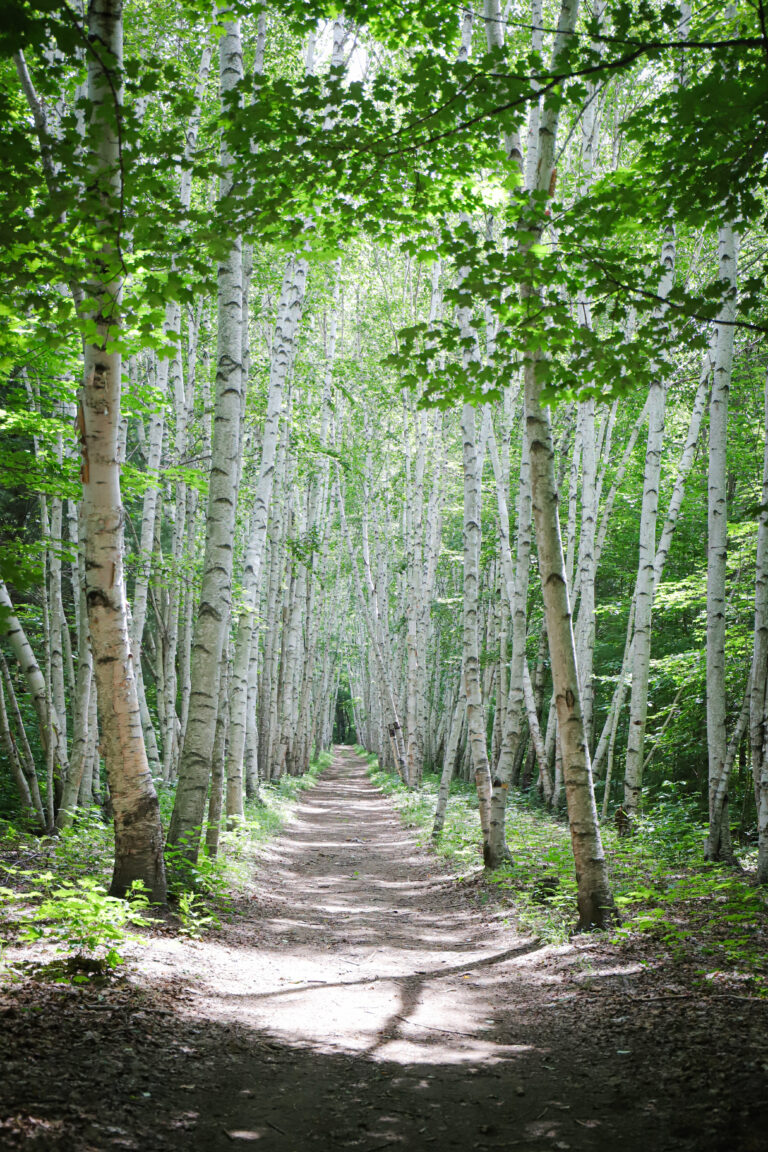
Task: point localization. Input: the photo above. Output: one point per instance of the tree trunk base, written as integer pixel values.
(496, 857)
(597, 911)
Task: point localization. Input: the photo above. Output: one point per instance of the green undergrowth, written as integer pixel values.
(669, 897)
(54, 889)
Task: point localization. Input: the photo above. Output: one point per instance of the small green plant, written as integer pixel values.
(205, 874)
(8, 831)
(194, 916)
(85, 923)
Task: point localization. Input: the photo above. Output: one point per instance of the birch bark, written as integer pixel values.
(216, 794)
(268, 679)
(28, 785)
(370, 606)
(85, 690)
(167, 371)
(283, 353)
(14, 762)
(471, 641)
(216, 588)
(758, 701)
(449, 764)
(49, 726)
(138, 834)
(587, 555)
(719, 845)
(596, 906)
(687, 458)
(644, 587)
(515, 579)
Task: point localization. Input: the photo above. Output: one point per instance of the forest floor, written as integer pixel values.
(359, 998)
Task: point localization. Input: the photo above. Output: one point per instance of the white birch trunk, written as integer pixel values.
(471, 639)
(719, 845)
(685, 465)
(758, 702)
(216, 587)
(587, 567)
(283, 353)
(49, 726)
(216, 794)
(516, 589)
(84, 692)
(14, 763)
(186, 623)
(22, 753)
(58, 623)
(644, 586)
(138, 834)
(372, 614)
(267, 682)
(449, 763)
(596, 906)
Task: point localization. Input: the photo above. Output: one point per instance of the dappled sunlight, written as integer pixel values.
(357, 1011)
(377, 1006)
(358, 951)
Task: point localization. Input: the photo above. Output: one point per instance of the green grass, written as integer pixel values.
(705, 914)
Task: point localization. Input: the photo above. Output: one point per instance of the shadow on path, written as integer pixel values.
(365, 1001)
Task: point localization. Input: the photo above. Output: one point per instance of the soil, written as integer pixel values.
(361, 999)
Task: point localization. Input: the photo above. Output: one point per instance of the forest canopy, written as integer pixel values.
(396, 369)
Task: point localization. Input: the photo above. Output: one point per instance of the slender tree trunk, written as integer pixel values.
(84, 691)
(449, 764)
(216, 588)
(645, 585)
(587, 568)
(687, 459)
(471, 640)
(719, 845)
(58, 623)
(20, 754)
(90, 787)
(516, 592)
(283, 353)
(251, 755)
(138, 834)
(758, 702)
(50, 729)
(370, 606)
(267, 685)
(596, 906)
(216, 796)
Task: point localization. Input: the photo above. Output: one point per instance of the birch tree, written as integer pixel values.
(216, 589)
(719, 839)
(758, 697)
(138, 837)
(595, 901)
(644, 586)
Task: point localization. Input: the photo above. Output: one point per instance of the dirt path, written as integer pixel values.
(362, 1001)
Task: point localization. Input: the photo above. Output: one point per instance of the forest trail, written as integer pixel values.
(363, 1000)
